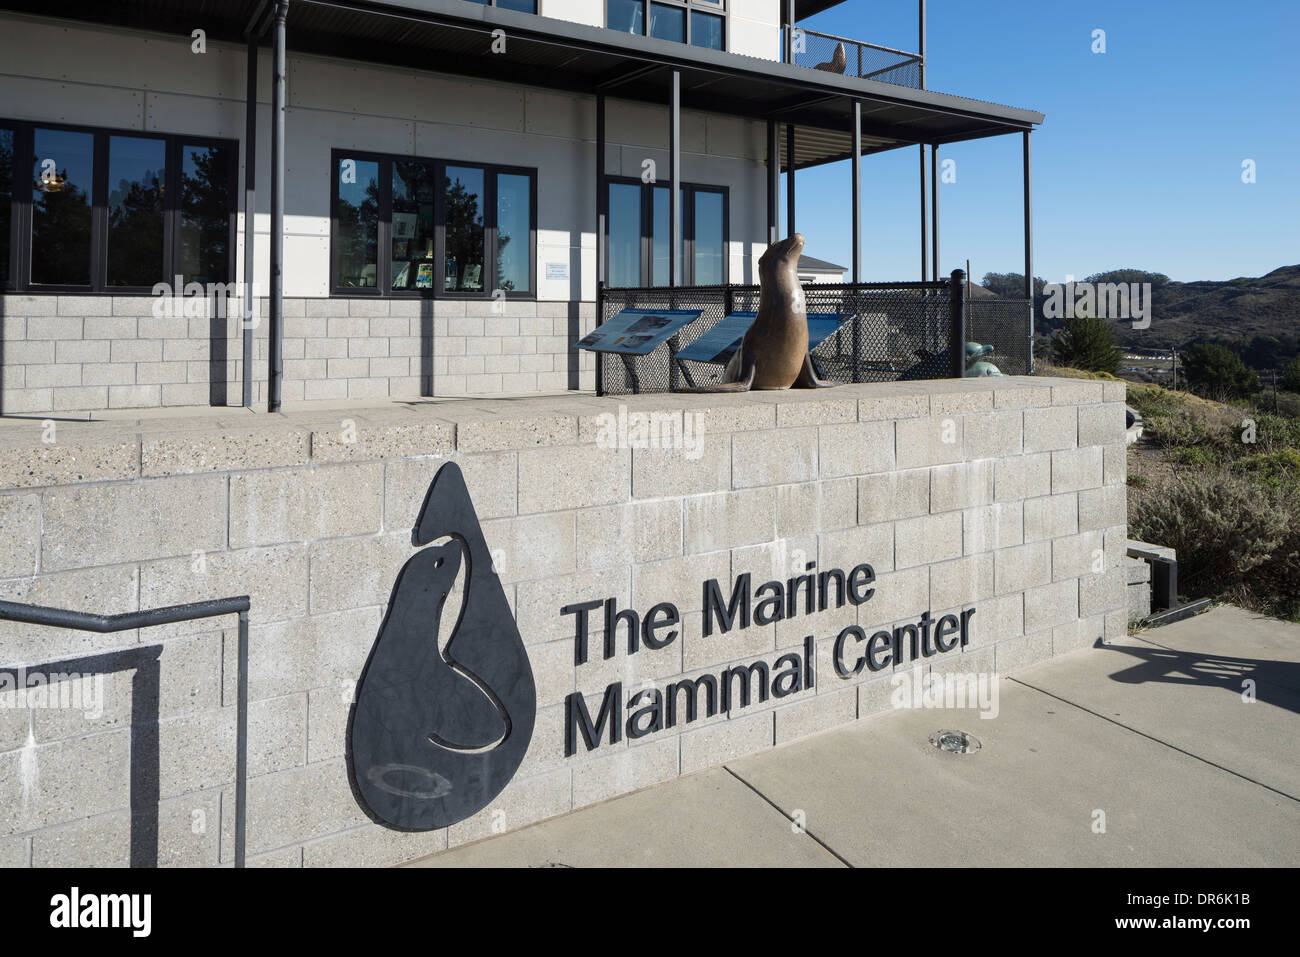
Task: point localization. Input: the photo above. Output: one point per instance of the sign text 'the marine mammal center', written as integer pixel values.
(651, 710)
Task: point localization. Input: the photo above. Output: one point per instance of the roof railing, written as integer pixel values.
(841, 55)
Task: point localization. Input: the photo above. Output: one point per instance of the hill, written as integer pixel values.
(1238, 309)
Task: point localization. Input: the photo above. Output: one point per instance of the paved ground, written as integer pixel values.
(1152, 732)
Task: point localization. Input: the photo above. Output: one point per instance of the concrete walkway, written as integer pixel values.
(1150, 736)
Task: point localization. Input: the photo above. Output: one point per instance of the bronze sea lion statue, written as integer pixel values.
(774, 352)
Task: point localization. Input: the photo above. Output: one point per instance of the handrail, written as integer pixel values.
(239, 604)
(861, 43)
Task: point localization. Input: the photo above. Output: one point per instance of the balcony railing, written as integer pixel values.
(824, 51)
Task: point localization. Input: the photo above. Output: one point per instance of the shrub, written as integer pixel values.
(1217, 372)
(1237, 539)
(1152, 400)
(1277, 469)
(1087, 343)
(1291, 377)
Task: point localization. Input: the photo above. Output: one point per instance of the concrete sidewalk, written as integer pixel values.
(1149, 735)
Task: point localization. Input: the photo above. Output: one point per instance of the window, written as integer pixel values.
(112, 211)
(6, 200)
(405, 226)
(523, 6)
(638, 240)
(697, 22)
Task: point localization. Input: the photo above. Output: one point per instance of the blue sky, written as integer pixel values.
(1138, 163)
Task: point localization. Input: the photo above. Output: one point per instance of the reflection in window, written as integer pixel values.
(136, 174)
(413, 231)
(205, 213)
(668, 23)
(626, 16)
(703, 230)
(523, 6)
(706, 30)
(356, 208)
(462, 199)
(514, 213)
(624, 234)
(63, 168)
(6, 197)
(708, 239)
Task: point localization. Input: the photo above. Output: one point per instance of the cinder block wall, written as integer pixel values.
(91, 353)
(1020, 515)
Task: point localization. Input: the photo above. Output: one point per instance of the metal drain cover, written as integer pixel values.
(955, 742)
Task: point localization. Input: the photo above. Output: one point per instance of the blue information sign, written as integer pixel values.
(637, 332)
(720, 343)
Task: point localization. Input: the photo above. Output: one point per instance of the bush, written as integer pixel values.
(1218, 372)
(1151, 400)
(1237, 540)
(1277, 469)
(1087, 343)
(1291, 377)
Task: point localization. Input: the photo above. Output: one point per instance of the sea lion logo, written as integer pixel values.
(441, 724)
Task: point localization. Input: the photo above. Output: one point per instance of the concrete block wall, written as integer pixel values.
(92, 353)
(957, 492)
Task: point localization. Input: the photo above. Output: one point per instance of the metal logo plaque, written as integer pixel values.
(442, 722)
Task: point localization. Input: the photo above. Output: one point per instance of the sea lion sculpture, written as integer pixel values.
(773, 354)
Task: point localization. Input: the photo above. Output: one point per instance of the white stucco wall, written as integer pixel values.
(137, 81)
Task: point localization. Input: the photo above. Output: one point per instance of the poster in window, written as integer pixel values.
(424, 276)
(401, 275)
(404, 225)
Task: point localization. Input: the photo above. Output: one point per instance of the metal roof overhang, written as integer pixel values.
(454, 36)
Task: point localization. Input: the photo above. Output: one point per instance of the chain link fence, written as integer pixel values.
(896, 331)
(1004, 325)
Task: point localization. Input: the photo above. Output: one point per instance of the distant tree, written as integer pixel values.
(1291, 377)
(1010, 285)
(1088, 344)
(1129, 274)
(1218, 371)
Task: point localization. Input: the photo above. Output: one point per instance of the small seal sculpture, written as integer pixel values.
(774, 352)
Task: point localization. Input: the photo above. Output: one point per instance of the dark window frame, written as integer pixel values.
(384, 264)
(688, 191)
(20, 230)
(717, 8)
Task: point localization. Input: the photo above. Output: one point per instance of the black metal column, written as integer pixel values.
(250, 214)
(925, 223)
(675, 184)
(789, 32)
(856, 166)
(1029, 242)
(957, 324)
(602, 195)
(773, 183)
(275, 332)
(789, 179)
(934, 209)
(920, 47)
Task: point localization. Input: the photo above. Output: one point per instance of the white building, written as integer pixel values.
(437, 195)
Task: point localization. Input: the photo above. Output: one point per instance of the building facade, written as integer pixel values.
(437, 186)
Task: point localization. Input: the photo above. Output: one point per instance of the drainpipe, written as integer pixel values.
(250, 212)
(276, 329)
